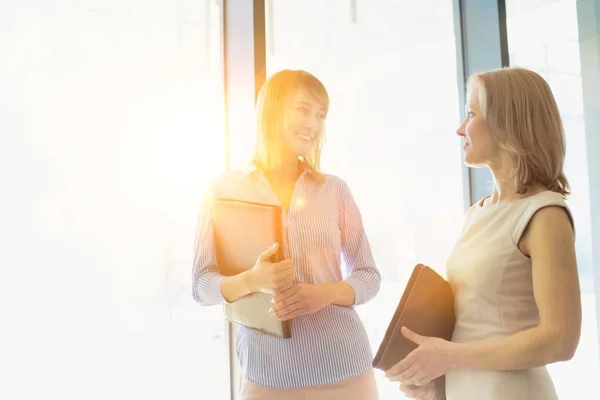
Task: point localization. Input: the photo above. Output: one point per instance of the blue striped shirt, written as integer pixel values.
(323, 224)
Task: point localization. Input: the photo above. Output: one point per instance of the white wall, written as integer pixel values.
(108, 137)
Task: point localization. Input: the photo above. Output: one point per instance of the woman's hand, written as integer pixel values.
(298, 300)
(269, 277)
(431, 359)
(426, 392)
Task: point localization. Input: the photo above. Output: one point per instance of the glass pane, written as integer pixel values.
(543, 36)
(106, 116)
(390, 69)
(199, 359)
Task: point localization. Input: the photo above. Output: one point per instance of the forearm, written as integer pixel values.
(339, 293)
(211, 288)
(237, 286)
(354, 290)
(527, 349)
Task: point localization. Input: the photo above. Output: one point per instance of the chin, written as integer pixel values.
(301, 151)
(469, 162)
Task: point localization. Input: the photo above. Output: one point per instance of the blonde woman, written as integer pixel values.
(513, 270)
(328, 356)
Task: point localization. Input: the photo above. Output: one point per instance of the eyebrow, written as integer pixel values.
(310, 105)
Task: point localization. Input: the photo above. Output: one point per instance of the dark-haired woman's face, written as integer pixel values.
(305, 121)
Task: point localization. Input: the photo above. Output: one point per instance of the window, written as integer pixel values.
(543, 36)
(115, 126)
(390, 69)
(195, 139)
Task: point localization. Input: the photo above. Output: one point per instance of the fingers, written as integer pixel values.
(288, 304)
(406, 376)
(283, 287)
(280, 279)
(281, 270)
(292, 308)
(283, 283)
(418, 392)
(283, 275)
(284, 306)
(430, 392)
(413, 391)
(412, 336)
(420, 380)
(400, 367)
(268, 253)
(284, 295)
(291, 311)
(284, 267)
(283, 302)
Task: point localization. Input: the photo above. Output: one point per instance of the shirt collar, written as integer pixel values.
(252, 168)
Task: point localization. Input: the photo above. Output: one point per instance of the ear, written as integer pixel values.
(412, 336)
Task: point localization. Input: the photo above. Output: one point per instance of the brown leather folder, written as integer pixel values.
(427, 308)
(242, 231)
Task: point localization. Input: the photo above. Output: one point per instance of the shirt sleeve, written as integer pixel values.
(206, 279)
(361, 272)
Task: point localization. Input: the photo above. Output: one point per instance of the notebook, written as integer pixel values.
(427, 308)
(242, 231)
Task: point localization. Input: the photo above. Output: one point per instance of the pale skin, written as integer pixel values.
(426, 392)
(305, 117)
(549, 242)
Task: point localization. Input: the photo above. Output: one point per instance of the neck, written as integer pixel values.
(504, 190)
(505, 187)
(287, 173)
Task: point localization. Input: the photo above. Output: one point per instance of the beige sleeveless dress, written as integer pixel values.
(493, 290)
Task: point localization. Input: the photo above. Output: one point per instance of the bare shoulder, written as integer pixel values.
(552, 218)
(549, 226)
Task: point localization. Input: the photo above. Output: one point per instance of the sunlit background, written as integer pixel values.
(112, 120)
(112, 124)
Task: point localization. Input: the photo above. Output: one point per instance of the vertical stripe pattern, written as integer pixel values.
(327, 241)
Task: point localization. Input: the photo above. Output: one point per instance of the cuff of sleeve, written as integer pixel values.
(360, 292)
(207, 290)
(214, 288)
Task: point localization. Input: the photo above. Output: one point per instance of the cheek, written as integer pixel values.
(319, 130)
(296, 119)
(474, 130)
(292, 125)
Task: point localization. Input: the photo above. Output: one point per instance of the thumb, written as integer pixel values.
(265, 255)
(412, 336)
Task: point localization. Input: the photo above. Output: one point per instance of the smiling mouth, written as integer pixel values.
(305, 137)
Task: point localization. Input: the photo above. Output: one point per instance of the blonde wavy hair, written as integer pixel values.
(272, 108)
(522, 116)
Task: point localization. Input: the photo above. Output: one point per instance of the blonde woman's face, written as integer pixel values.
(305, 120)
(478, 145)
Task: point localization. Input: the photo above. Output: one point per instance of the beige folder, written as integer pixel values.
(242, 231)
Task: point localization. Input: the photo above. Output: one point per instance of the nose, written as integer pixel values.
(461, 129)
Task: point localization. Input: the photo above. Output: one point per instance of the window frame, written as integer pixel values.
(481, 44)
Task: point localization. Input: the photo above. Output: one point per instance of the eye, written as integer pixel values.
(302, 109)
(322, 116)
(471, 114)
